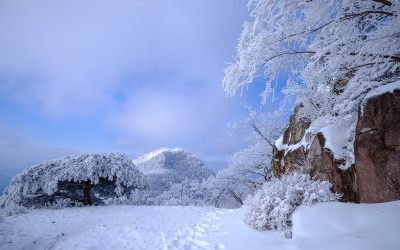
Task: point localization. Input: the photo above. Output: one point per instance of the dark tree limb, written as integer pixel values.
(87, 201)
(384, 2)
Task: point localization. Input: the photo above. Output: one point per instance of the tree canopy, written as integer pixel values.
(73, 177)
(333, 52)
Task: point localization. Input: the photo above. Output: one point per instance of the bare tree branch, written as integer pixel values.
(385, 2)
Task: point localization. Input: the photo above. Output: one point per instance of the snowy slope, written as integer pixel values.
(164, 167)
(323, 226)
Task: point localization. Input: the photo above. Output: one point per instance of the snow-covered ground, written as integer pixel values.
(323, 226)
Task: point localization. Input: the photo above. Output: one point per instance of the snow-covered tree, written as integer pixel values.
(272, 206)
(84, 178)
(250, 167)
(225, 190)
(326, 43)
(334, 53)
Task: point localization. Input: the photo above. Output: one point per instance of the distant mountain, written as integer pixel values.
(164, 167)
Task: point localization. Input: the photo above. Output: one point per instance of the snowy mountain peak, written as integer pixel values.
(167, 158)
(164, 167)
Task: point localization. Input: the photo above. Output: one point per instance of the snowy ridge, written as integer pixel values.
(148, 157)
(156, 159)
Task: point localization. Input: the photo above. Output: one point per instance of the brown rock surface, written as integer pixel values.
(377, 149)
(321, 164)
(294, 160)
(291, 136)
(276, 163)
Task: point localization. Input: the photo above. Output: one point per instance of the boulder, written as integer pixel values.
(377, 149)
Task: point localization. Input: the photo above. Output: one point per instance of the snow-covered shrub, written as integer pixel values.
(123, 200)
(187, 193)
(272, 206)
(62, 203)
(12, 210)
(84, 178)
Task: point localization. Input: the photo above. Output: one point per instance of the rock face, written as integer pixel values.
(375, 176)
(377, 149)
(321, 164)
(285, 160)
(317, 161)
(164, 167)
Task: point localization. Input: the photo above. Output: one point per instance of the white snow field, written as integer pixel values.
(323, 226)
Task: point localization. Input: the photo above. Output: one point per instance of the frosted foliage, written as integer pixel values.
(214, 191)
(250, 167)
(44, 177)
(319, 42)
(272, 206)
(228, 189)
(334, 52)
(253, 162)
(187, 193)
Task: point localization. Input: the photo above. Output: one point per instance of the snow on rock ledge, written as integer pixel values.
(339, 140)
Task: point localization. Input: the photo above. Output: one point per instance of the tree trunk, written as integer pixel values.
(87, 201)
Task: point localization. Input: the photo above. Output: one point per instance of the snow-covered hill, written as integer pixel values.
(164, 167)
(323, 226)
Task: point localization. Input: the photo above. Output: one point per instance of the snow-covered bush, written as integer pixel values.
(12, 210)
(85, 178)
(187, 193)
(62, 203)
(272, 206)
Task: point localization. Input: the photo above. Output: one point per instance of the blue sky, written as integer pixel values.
(128, 76)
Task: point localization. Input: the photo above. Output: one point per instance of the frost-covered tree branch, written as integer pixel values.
(333, 53)
(297, 37)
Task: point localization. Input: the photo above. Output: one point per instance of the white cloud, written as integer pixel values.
(69, 57)
(152, 69)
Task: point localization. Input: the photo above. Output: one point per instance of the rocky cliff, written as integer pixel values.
(375, 175)
(377, 149)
